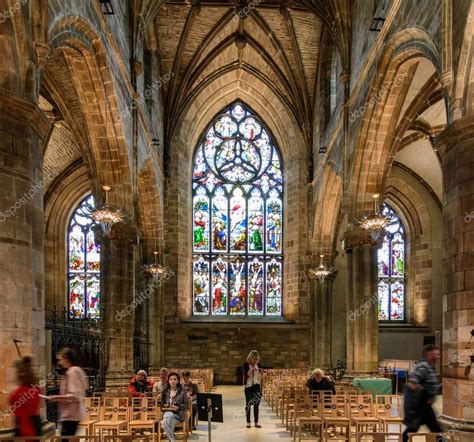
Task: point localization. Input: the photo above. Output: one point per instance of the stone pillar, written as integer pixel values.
(119, 301)
(156, 321)
(361, 302)
(456, 146)
(322, 317)
(23, 128)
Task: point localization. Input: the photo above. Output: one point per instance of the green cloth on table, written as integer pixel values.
(373, 386)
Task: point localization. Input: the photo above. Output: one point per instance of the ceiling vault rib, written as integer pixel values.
(303, 85)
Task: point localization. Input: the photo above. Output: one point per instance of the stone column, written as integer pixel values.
(119, 301)
(322, 334)
(456, 146)
(23, 128)
(361, 302)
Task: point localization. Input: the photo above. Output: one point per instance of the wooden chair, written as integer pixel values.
(306, 416)
(389, 410)
(144, 415)
(362, 413)
(128, 438)
(379, 437)
(94, 414)
(181, 427)
(333, 410)
(428, 437)
(115, 416)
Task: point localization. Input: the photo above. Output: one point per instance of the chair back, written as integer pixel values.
(115, 408)
(139, 438)
(303, 405)
(93, 407)
(380, 437)
(334, 405)
(388, 405)
(144, 408)
(361, 405)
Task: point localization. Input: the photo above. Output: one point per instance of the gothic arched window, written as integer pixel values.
(83, 264)
(391, 270)
(237, 219)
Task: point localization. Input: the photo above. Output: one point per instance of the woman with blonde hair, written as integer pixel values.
(252, 379)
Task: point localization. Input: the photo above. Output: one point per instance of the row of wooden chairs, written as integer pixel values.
(115, 415)
(77, 439)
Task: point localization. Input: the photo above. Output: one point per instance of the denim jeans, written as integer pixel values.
(168, 423)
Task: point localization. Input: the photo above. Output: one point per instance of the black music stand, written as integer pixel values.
(210, 409)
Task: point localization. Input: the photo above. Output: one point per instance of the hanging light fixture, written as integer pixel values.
(321, 272)
(158, 272)
(106, 215)
(375, 222)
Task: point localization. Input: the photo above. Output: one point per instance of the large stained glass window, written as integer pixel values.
(391, 270)
(83, 264)
(237, 219)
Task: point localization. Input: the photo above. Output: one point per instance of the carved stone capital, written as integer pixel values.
(357, 237)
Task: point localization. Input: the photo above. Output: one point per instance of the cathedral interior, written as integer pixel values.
(184, 181)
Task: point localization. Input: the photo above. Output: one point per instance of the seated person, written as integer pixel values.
(173, 404)
(139, 384)
(162, 382)
(191, 390)
(319, 382)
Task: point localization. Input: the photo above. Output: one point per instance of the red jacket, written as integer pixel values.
(140, 388)
(25, 404)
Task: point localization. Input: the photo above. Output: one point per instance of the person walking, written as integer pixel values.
(252, 379)
(71, 408)
(420, 392)
(25, 400)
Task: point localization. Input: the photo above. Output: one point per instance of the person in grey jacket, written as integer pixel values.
(420, 392)
(174, 404)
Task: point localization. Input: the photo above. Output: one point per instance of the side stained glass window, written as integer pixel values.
(83, 264)
(391, 270)
(237, 219)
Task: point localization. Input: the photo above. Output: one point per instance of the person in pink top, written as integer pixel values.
(71, 408)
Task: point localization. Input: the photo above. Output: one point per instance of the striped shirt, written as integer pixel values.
(424, 374)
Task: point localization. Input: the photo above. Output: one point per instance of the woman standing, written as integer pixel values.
(71, 407)
(173, 404)
(251, 371)
(25, 400)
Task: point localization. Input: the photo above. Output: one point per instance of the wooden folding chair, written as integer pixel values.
(115, 416)
(428, 437)
(128, 438)
(388, 409)
(94, 414)
(379, 437)
(333, 410)
(306, 416)
(144, 415)
(362, 413)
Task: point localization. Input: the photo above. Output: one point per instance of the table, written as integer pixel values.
(373, 386)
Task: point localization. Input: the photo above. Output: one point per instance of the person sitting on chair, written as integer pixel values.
(161, 383)
(192, 391)
(319, 382)
(173, 404)
(139, 384)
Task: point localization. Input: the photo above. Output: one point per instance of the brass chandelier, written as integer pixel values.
(321, 272)
(375, 222)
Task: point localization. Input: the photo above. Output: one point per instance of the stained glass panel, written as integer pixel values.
(219, 287)
(237, 210)
(83, 263)
(274, 278)
(238, 287)
(238, 222)
(256, 287)
(201, 221)
(201, 287)
(391, 270)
